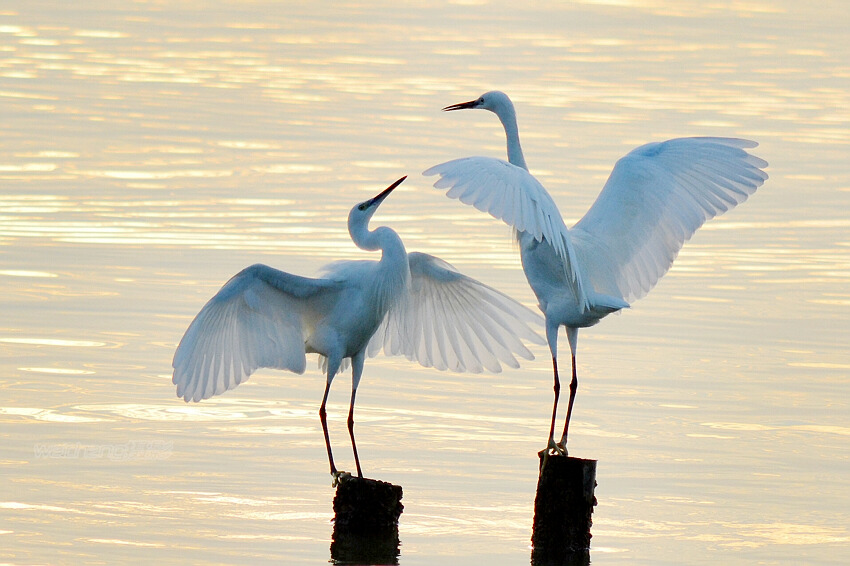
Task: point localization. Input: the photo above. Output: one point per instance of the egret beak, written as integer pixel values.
(461, 106)
(385, 193)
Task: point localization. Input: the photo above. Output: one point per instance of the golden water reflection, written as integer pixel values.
(152, 151)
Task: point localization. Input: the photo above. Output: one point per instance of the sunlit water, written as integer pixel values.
(150, 150)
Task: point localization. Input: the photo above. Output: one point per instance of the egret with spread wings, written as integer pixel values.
(410, 304)
(655, 199)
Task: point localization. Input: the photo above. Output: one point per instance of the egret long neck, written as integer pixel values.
(507, 115)
(381, 238)
(392, 277)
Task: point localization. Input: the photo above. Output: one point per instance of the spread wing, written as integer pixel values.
(511, 194)
(254, 321)
(454, 322)
(655, 199)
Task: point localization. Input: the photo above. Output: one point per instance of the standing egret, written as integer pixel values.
(655, 199)
(412, 304)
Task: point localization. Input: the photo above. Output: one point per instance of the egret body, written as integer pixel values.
(656, 197)
(410, 304)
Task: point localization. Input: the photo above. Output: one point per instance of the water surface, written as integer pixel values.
(150, 151)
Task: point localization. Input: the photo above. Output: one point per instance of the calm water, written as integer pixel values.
(150, 150)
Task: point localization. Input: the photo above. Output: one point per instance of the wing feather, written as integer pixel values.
(657, 196)
(255, 320)
(451, 321)
(513, 195)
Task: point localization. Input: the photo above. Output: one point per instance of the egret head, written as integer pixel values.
(494, 101)
(499, 104)
(358, 224)
(364, 211)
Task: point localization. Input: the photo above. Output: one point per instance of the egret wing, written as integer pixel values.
(511, 194)
(657, 196)
(254, 321)
(452, 321)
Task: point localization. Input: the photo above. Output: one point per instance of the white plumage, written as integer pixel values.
(511, 194)
(657, 196)
(414, 305)
(453, 322)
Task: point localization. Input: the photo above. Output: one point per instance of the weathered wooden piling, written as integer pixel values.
(366, 514)
(562, 511)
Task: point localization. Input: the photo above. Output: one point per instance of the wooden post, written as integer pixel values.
(366, 513)
(562, 511)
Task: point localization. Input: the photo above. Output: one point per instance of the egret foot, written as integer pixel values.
(340, 477)
(561, 447)
(556, 447)
(551, 450)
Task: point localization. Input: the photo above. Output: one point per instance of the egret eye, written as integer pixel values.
(362, 206)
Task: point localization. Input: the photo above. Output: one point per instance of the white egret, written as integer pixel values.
(411, 304)
(654, 200)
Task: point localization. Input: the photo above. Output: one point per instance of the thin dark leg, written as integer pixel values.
(573, 389)
(557, 388)
(324, 417)
(351, 432)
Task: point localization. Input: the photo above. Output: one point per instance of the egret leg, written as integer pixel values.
(551, 444)
(357, 361)
(324, 417)
(351, 432)
(552, 339)
(573, 388)
(572, 336)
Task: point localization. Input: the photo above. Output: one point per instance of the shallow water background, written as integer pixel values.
(150, 150)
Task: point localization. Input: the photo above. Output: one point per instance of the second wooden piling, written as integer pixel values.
(562, 510)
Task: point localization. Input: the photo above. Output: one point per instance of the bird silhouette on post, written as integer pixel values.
(410, 304)
(656, 197)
